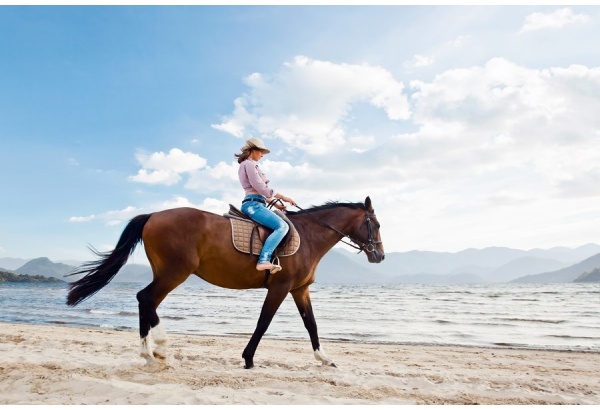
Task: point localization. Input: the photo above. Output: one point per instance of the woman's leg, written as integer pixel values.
(259, 213)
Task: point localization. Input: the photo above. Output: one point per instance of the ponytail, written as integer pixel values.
(243, 155)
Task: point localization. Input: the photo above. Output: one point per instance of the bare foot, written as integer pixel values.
(266, 265)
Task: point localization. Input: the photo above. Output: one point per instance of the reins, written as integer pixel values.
(356, 244)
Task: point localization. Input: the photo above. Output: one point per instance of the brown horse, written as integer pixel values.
(182, 241)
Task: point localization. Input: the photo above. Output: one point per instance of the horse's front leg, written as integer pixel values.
(302, 299)
(275, 296)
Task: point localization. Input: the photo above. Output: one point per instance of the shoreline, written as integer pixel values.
(59, 364)
(502, 346)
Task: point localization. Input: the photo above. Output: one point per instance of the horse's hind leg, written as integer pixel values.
(149, 298)
(302, 299)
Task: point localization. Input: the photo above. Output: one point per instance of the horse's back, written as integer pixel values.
(182, 221)
(173, 235)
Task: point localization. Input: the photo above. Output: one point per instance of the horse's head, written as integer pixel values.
(367, 235)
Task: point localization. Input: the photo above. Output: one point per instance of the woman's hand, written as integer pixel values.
(280, 206)
(289, 200)
(286, 199)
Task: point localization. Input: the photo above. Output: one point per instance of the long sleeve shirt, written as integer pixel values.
(253, 180)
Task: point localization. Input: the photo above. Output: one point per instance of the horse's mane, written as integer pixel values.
(329, 205)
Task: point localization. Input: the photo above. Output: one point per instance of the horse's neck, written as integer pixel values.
(316, 225)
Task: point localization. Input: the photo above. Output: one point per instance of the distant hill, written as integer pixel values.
(526, 265)
(492, 264)
(593, 276)
(569, 274)
(45, 267)
(340, 265)
(133, 272)
(12, 263)
(336, 267)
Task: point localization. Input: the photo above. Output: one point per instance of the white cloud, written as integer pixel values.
(459, 41)
(555, 20)
(488, 140)
(305, 104)
(494, 151)
(160, 176)
(82, 218)
(421, 61)
(166, 169)
(117, 217)
(110, 217)
(504, 115)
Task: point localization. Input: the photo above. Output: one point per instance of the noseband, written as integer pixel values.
(361, 246)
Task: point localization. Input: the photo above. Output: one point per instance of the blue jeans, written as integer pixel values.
(259, 213)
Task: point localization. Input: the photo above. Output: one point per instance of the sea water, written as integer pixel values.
(562, 316)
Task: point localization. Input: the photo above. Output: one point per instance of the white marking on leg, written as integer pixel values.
(320, 355)
(145, 350)
(160, 341)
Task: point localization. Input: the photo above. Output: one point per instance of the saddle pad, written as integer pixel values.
(241, 231)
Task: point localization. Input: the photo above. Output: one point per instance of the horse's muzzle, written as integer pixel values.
(375, 256)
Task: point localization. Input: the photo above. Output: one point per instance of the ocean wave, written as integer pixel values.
(516, 319)
(574, 337)
(110, 312)
(170, 317)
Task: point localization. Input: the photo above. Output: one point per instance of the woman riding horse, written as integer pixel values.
(255, 185)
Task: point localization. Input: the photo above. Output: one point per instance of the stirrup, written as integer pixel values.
(276, 266)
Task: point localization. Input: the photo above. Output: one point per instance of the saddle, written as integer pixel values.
(249, 237)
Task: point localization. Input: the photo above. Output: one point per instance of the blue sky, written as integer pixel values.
(469, 126)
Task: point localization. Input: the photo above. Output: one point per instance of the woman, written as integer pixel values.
(255, 185)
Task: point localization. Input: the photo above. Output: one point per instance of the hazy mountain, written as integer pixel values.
(563, 275)
(133, 272)
(526, 265)
(12, 263)
(480, 262)
(593, 276)
(568, 255)
(343, 266)
(45, 267)
(336, 267)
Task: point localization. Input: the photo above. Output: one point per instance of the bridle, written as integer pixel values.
(355, 243)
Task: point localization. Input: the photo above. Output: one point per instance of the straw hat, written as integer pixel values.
(255, 143)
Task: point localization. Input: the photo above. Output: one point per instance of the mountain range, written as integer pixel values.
(488, 265)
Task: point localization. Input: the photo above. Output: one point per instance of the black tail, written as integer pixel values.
(99, 273)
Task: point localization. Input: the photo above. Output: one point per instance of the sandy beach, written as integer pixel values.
(59, 365)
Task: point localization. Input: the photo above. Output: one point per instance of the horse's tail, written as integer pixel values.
(99, 273)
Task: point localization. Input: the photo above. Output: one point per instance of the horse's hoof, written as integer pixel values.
(159, 356)
(248, 366)
(333, 365)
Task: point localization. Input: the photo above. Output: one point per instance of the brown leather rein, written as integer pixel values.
(356, 244)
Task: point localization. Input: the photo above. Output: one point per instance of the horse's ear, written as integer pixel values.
(368, 204)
